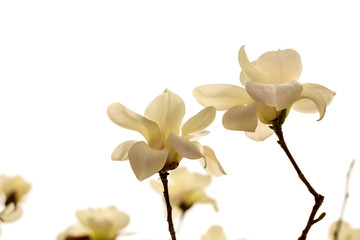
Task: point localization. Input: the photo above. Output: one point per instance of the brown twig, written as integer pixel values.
(163, 177)
(339, 223)
(318, 198)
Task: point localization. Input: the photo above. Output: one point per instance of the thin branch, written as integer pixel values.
(317, 197)
(163, 177)
(339, 223)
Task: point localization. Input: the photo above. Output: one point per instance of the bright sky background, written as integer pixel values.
(63, 62)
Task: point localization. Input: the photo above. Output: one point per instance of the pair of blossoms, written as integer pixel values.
(271, 89)
(12, 192)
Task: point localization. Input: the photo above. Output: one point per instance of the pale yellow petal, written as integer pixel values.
(185, 147)
(280, 96)
(10, 213)
(280, 66)
(183, 178)
(167, 110)
(196, 136)
(211, 163)
(146, 161)
(262, 132)
(199, 122)
(267, 114)
(241, 118)
(344, 233)
(121, 152)
(314, 98)
(128, 119)
(355, 234)
(252, 73)
(214, 233)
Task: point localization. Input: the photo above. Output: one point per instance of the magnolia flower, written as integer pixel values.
(14, 188)
(186, 189)
(346, 232)
(97, 224)
(161, 127)
(271, 89)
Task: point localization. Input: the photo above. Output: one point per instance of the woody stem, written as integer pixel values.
(317, 197)
(163, 177)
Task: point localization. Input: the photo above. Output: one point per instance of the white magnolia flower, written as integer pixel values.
(346, 232)
(186, 189)
(271, 86)
(14, 188)
(161, 128)
(97, 224)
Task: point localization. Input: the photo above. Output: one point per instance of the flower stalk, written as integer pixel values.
(277, 127)
(163, 177)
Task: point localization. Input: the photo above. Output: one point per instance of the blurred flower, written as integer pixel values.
(214, 233)
(97, 224)
(271, 86)
(13, 189)
(160, 127)
(346, 232)
(186, 189)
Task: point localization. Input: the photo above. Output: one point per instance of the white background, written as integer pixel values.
(63, 62)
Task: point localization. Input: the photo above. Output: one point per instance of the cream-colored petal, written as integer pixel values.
(252, 73)
(344, 233)
(280, 66)
(214, 233)
(241, 118)
(280, 96)
(185, 147)
(146, 161)
(10, 213)
(121, 152)
(267, 114)
(262, 132)
(128, 119)
(73, 232)
(199, 122)
(314, 98)
(196, 136)
(167, 110)
(243, 78)
(355, 234)
(211, 163)
(221, 96)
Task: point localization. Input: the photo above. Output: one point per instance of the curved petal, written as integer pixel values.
(241, 118)
(280, 96)
(199, 122)
(280, 66)
(10, 213)
(196, 136)
(167, 110)
(261, 133)
(146, 161)
(185, 147)
(128, 119)
(266, 114)
(314, 98)
(121, 151)
(214, 233)
(250, 70)
(221, 96)
(211, 163)
(243, 78)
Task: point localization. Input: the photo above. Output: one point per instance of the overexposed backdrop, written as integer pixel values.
(63, 62)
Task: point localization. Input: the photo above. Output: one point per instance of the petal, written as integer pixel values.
(280, 96)
(221, 96)
(344, 233)
(146, 161)
(211, 163)
(196, 136)
(185, 147)
(241, 118)
(214, 233)
(167, 110)
(199, 122)
(10, 213)
(262, 132)
(267, 114)
(128, 119)
(314, 98)
(280, 66)
(121, 152)
(252, 73)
